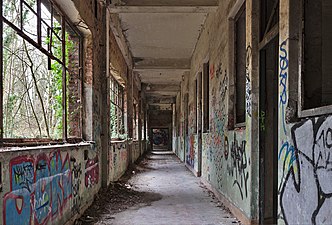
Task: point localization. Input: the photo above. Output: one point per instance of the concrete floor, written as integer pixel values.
(184, 199)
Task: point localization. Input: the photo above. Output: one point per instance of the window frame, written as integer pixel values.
(241, 8)
(118, 91)
(206, 97)
(317, 111)
(38, 45)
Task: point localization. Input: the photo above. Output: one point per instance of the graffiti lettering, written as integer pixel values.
(238, 167)
(283, 64)
(312, 179)
(39, 188)
(92, 172)
(248, 83)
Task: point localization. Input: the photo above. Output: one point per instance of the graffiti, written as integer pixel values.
(160, 137)
(219, 71)
(91, 172)
(288, 152)
(23, 175)
(248, 96)
(191, 154)
(262, 121)
(226, 148)
(223, 87)
(76, 173)
(39, 188)
(283, 64)
(238, 167)
(61, 182)
(248, 83)
(310, 183)
(42, 203)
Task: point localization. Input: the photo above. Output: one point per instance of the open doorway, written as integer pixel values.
(269, 131)
(160, 139)
(268, 110)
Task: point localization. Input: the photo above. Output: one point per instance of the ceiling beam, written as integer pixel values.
(160, 100)
(163, 9)
(162, 88)
(161, 63)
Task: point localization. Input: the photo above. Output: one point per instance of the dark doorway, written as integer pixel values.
(160, 139)
(269, 132)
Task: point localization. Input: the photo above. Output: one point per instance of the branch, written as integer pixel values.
(37, 89)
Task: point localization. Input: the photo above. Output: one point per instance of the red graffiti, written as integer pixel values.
(92, 172)
(39, 188)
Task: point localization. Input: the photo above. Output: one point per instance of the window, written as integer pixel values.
(317, 50)
(240, 62)
(135, 120)
(41, 75)
(116, 109)
(206, 97)
(195, 107)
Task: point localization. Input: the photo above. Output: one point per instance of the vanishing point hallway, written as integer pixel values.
(182, 198)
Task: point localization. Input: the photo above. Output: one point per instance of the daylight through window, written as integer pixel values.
(40, 62)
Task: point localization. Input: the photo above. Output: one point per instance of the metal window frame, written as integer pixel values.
(117, 90)
(64, 20)
(313, 112)
(234, 20)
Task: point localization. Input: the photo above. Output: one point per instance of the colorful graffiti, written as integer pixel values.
(160, 137)
(91, 172)
(306, 194)
(283, 64)
(39, 188)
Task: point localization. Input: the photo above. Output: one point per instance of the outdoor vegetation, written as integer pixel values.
(39, 77)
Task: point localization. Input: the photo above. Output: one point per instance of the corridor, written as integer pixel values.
(238, 91)
(182, 198)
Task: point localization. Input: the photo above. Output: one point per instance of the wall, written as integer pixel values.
(118, 160)
(226, 151)
(48, 185)
(53, 184)
(304, 166)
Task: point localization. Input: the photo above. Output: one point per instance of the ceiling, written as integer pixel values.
(161, 36)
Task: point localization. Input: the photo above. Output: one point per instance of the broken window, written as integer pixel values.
(135, 120)
(41, 75)
(317, 50)
(116, 109)
(206, 97)
(240, 64)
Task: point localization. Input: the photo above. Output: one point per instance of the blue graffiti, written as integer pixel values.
(283, 64)
(289, 152)
(61, 182)
(42, 203)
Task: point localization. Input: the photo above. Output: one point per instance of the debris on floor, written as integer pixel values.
(118, 197)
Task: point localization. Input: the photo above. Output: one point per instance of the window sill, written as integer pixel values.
(46, 147)
(240, 125)
(31, 142)
(117, 141)
(315, 112)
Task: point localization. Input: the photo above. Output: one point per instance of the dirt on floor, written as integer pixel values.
(118, 197)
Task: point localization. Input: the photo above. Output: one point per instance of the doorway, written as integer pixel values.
(160, 139)
(269, 132)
